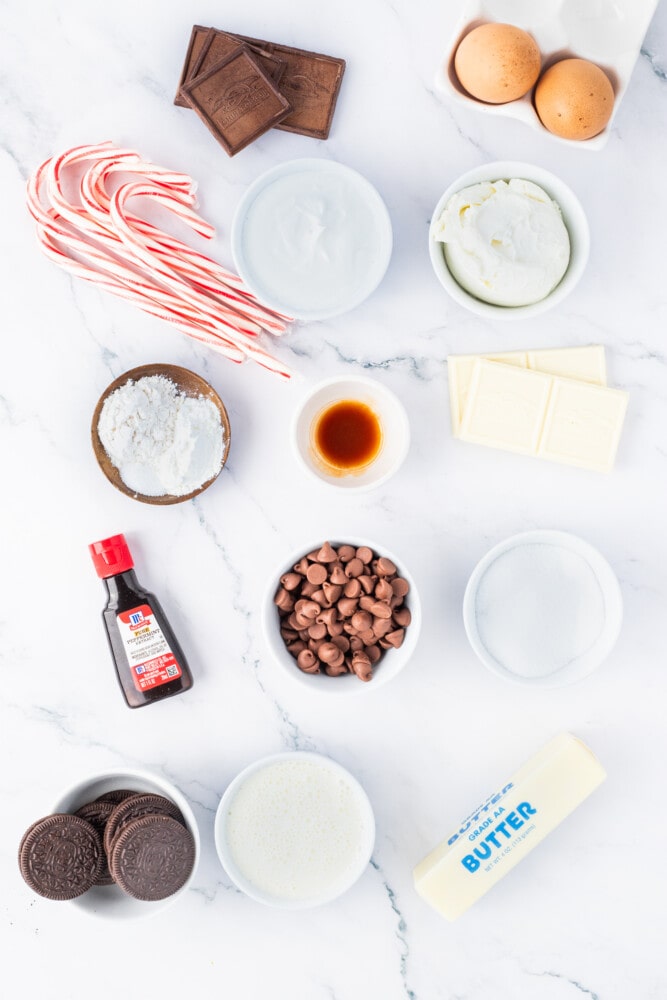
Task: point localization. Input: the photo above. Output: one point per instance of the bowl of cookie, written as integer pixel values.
(117, 844)
(342, 617)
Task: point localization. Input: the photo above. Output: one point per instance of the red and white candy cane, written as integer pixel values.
(128, 286)
(134, 259)
(115, 276)
(196, 267)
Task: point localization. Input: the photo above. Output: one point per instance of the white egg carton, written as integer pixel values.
(607, 32)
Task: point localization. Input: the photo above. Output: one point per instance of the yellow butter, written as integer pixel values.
(508, 825)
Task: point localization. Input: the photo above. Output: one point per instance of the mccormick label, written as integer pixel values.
(149, 657)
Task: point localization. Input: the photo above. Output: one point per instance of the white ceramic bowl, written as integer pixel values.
(364, 847)
(591, 567)
(299, 263)
(387, 408)
(392, 661)
(573, 217)
(109, 901)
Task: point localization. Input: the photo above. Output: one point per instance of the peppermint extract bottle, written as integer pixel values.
(149, 660)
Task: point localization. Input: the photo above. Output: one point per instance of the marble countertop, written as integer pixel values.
(584, 915)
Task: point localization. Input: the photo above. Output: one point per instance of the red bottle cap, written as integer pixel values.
(111, 556)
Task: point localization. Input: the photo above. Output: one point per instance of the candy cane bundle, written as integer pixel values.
(99, 240)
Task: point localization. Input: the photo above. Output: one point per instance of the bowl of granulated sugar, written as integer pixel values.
(543, 608)
(160, 434)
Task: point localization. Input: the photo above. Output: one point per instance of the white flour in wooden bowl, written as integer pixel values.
(161, 440)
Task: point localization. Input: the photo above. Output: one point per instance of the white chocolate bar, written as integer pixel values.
(508, 825)
(585, 364)
(543, 415)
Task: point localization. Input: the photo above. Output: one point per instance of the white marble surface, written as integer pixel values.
(584, 915)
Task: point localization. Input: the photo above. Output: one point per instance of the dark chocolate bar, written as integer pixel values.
(198, 38)
(236, 100)
(220, 44)
(311, 83)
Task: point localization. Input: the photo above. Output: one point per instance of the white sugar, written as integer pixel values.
(539, 607)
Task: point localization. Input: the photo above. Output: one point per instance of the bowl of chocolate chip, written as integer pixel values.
(342, 616)
(117, 844)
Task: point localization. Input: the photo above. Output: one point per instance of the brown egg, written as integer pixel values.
(497, 63)
(574, 99)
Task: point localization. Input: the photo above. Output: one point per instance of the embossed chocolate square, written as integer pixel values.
(311, 83)
(236, 100)
(196, 44)
(220, 44)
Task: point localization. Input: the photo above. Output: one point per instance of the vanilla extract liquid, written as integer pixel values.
(347, 435)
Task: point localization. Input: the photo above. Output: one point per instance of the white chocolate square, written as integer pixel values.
(459, 370)
(584, 364)
(583, 425)
(506, 407)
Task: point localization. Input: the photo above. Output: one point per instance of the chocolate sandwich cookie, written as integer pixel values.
(116, 795)
(61, 856)
(136, 807)
(98, 813)
(152, 857)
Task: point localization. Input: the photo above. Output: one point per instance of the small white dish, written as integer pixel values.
(387, 408)
(389, 666)
(285, 849)
(109, 901)
(573, 217)
(543, 609)
(607, 32)
(311, 238)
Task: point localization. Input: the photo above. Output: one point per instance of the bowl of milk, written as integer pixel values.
(294, 830)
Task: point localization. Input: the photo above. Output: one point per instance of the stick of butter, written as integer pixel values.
(508, 825)
(544, 415)
(584, 364)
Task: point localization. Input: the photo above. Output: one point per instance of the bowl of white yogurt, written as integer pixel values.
(508, 240)
(311, 238)
(294, 830)
(543, 609)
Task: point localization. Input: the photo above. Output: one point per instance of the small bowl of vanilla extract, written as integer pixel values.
(352, 433)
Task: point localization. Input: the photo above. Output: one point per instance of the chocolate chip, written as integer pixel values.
(346, 604)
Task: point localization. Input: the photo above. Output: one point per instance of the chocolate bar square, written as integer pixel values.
(236, 100)
(311, 83)
(196, 44)
(220, 44)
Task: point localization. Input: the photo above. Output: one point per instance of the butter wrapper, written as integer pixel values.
(508, 825)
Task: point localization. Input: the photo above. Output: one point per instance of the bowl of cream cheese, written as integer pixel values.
(311, 238)
(508, 240)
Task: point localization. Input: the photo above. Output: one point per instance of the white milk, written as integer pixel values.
(299, 830)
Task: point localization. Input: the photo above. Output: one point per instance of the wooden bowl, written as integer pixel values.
(188, 383)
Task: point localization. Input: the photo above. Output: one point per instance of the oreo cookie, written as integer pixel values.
(61, 856)
(135, 807)
(116, 795)
(152, 857)
(98, 813)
